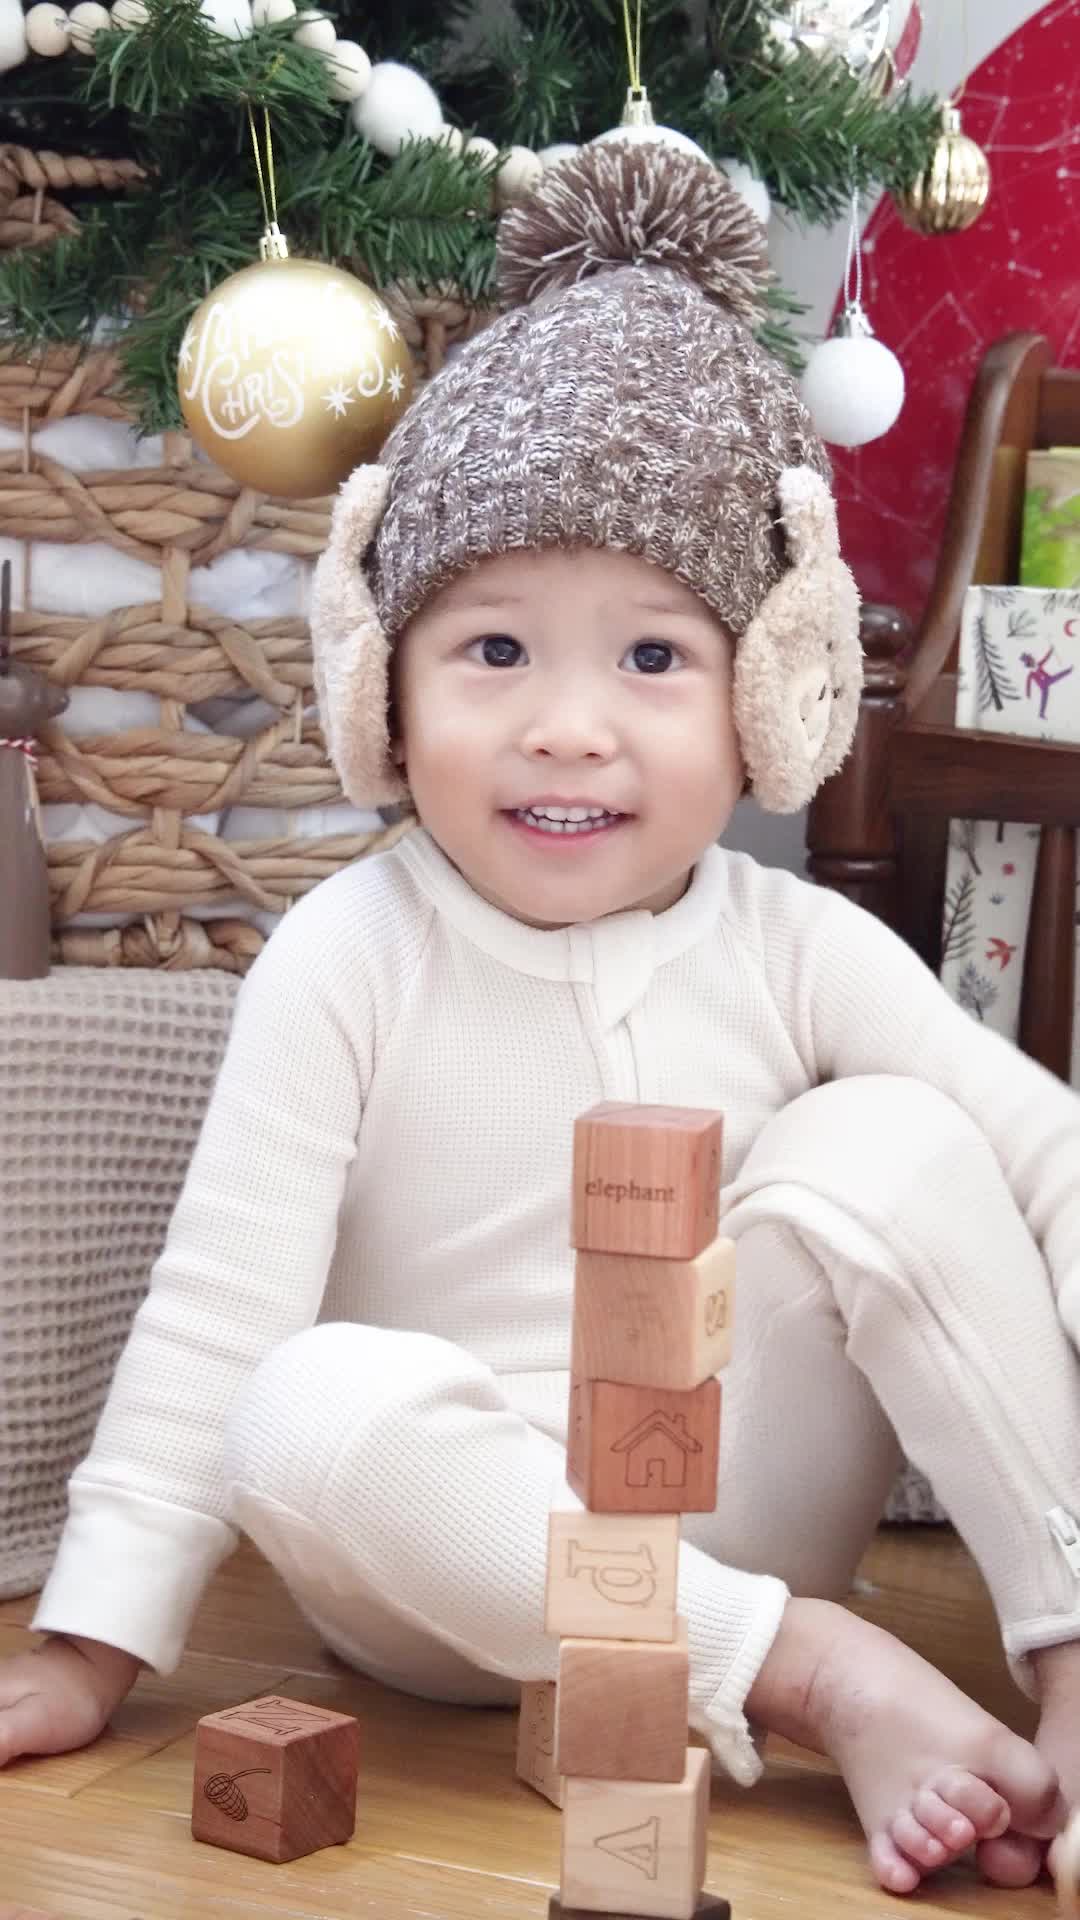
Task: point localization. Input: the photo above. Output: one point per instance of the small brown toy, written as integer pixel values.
(275, 1778)
(27, 704)
(646, 1180)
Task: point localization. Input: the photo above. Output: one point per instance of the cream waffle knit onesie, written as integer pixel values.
(388, 1152)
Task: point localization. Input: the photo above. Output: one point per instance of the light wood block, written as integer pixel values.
(654, 1323)
(275, 1778)
(612, 1576)
(622, 1708)
(536, 1740)
(709, 1907)
(646, 1180)
(641, 1449)
(637, 1847)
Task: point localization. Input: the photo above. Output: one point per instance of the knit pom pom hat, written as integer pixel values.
(621, 401)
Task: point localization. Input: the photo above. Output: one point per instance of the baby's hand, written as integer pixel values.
(61, 1695)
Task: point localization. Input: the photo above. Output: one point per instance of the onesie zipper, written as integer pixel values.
(1067, 1534)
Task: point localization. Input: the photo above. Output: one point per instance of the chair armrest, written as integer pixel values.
(955, 773)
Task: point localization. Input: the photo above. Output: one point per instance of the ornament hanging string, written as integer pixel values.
(633, 45)
(272, 245)
(853, 296)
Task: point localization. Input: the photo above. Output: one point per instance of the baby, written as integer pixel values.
(591, 594)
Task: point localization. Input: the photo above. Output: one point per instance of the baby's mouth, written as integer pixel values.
(567, 822)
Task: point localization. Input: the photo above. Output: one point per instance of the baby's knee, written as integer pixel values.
(330, 1388)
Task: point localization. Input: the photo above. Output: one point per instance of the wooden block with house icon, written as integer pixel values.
(275, 1778)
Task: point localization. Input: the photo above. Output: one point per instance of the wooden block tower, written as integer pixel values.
(653, 1301)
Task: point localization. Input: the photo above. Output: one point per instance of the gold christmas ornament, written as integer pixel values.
(291, 373)
(951, 193)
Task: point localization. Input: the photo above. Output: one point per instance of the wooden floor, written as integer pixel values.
(445, 1831)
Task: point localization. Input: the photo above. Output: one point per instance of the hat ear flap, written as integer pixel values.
(351, 653)
(798, 666)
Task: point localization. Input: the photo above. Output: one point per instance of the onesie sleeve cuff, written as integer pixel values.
(130, 1571)
(737, 1744)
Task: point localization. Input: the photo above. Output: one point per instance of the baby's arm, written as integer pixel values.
(244, 1266)
(873, 1007)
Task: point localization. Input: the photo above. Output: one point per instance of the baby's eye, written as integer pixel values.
(653, 656)
(499, 650)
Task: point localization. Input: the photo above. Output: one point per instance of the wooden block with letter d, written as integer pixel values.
(612, 1576)
(637, 1847)
(275, 1778)
(646, 1180)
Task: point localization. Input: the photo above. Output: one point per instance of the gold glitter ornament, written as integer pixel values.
(950, 193)
(290, 374)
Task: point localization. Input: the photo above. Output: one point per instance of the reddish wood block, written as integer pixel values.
(709, 1907)
(622, 1708)
(646, 1180)
(275, 1778)
(654, 1323)
(535, 1762)
(641, 1449)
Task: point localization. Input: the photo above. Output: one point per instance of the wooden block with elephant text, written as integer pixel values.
(646, 1180)
(622, 1708)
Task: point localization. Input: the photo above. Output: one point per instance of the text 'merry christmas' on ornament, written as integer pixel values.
(292, 372)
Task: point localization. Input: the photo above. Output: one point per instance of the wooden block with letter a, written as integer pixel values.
(535, 1762)
(654, 1323)
(275, 1778)
(637, 1847)
(646, 1180)
(612, 1576)
(622, 1708)
(643, 1449)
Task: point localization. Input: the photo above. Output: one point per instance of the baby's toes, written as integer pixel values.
(894, 1873)
(965, 1793)
(1011, 1860)
(955, 1830)
(917, 1843)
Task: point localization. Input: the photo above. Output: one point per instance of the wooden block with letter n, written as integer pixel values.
(535, 1762)
(622, 1708)
(646, 1180)
(637, 1847)
(275, 1778)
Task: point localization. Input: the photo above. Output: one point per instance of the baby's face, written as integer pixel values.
(569, 679)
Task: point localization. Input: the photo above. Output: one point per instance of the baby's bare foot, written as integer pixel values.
(1057, 1675)
(929, 1772)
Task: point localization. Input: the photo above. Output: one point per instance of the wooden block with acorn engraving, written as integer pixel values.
(646, 1180)
(275, 1778)
(637, 1847)
(654, 1323)
(622, 1707)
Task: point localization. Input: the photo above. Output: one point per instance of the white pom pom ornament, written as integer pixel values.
(753, 190)
(314, 30)
(397, 105)
(853, 384)
(47, 31)
(12, 34)
(86, 20)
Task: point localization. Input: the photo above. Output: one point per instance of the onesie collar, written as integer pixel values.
(617, 955)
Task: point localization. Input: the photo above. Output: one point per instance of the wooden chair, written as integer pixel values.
(878, 831)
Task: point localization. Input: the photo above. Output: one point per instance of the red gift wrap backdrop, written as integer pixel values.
(939, 302)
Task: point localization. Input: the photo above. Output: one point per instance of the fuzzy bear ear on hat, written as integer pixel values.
(798, 666)
(351, 653)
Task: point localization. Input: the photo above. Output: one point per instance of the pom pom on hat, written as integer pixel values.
(634, 204)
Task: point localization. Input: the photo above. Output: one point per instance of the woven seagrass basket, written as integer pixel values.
(150, 879)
